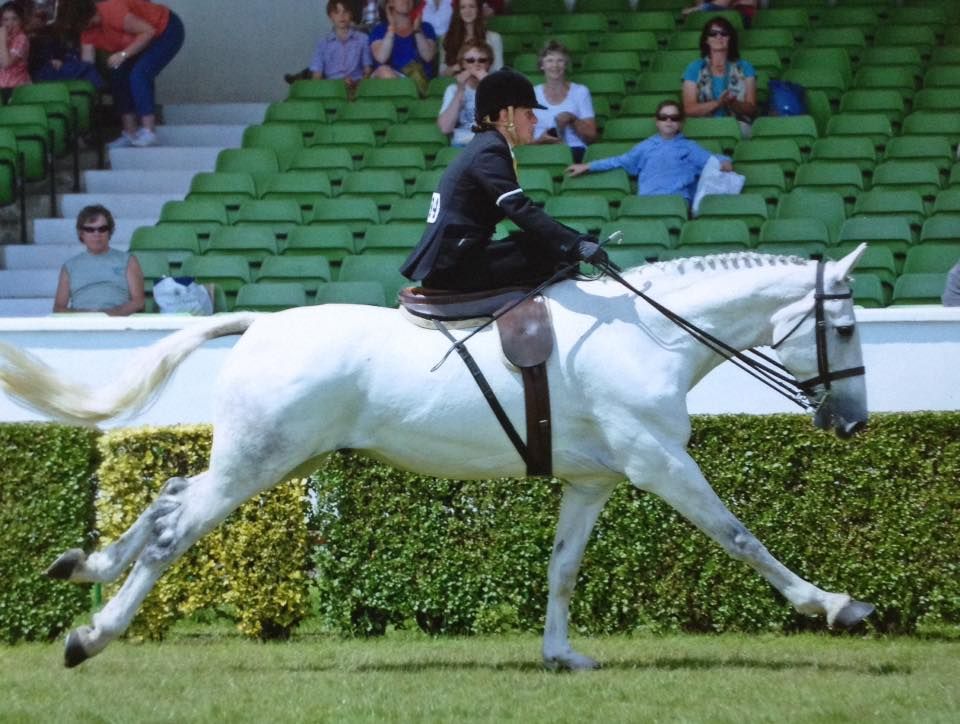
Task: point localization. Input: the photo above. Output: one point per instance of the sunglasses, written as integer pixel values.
(476, 60)
(95, 229)
(718, 34)
(668, 117)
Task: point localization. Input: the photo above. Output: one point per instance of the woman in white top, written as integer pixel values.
(457, 114)
(438, 14)
(467, 24)
(569, 116)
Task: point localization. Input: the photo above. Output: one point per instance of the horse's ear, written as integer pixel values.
(844, 266)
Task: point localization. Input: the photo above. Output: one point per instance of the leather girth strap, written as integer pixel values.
(527, 339)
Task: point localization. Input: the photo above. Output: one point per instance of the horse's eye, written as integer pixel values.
(845, 331)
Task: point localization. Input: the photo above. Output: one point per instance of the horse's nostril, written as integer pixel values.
(849, 429)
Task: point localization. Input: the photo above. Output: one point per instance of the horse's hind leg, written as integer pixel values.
(579, 509)
(107, 565)
(688, 492)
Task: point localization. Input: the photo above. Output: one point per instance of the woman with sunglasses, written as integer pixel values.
(720, 83)
(100, 279)
(459, 105)
(468, 25)
(664, 164)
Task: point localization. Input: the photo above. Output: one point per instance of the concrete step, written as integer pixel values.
(64, 231)
(28, 283)
(120, 205)
(16, 257)
(219, 135)
(137, 182)
(245, 114)
(36, 307)
(165, 158)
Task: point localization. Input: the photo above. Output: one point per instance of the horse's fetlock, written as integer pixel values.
(174, 486)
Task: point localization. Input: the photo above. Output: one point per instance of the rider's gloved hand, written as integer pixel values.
(590, 251)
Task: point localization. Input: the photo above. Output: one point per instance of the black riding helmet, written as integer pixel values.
(503, 88)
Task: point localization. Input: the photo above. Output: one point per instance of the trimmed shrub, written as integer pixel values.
(46, 507)
(875, 516)
(253, 567)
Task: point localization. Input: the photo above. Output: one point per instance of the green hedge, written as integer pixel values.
(46, 506)
(875, 516)
(252, 568)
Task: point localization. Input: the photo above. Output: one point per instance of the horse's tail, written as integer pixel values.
(36, 386)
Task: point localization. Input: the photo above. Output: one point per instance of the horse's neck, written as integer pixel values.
(732, 296)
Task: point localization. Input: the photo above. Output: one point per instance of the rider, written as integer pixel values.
(478, 190)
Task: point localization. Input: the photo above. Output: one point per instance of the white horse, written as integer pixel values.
(304, 382)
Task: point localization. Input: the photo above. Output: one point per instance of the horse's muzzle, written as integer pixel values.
(826, 417)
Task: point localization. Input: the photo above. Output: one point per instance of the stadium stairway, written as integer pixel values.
(134, 187)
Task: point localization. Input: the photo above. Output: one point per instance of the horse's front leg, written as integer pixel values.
(579, 509)
(687, 491)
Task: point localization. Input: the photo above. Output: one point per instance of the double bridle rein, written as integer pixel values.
(762, 367)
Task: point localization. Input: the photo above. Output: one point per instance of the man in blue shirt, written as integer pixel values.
(667, 163)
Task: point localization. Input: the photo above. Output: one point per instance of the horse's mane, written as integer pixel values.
(717, 262)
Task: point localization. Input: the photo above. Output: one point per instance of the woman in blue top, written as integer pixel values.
(720, 83)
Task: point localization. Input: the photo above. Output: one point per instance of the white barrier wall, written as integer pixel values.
(912, 357)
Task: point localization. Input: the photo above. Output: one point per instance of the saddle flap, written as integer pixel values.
(449, 306)
(526, 333)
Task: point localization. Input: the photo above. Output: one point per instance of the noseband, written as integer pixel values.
(762, 367)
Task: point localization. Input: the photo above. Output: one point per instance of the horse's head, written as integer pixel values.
(817, 340)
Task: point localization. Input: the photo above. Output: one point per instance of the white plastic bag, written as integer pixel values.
(714, 181)
(182, 295)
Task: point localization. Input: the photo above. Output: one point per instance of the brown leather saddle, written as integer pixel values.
(526, 336)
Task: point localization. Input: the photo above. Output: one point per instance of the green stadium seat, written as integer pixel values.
(673, 61)
(938, 100)
(954, 178)
(904, 203)
(764, 179)
(538, 7)
(627, 257)
(804, 232)
(827, 206)
(228, 272)
(801, 129)
(334, 161)
(920, 176)
(284, 139)
(277, 215)
(846, 149)
(696, 21)
(356, 213)
(947, 203)
(622, 61)
(841, 177)
(367, 292)
(378, 114)
(935, 149)
(174, 242)
(445, 156)
(828, 80)
(901, 79)
(846, 17)
(612, 185)
(945, 55)
(724, 130)
(423, 135)
(780, 40)
(868, 291)
(332, 92)
(253, 161)
(850, 38)
(749, 208)
(641, 42)
(659, 22)
(537, 183)
(399, 236)
(919, 289)
(888, 102)
(579, 22)
(427, 182)
(304, 115)
(54, 99)
(941, 229)
(270, 296)
(605, 84)
(399, 91)
(932, 15)
(877, 260)
(155, 265)
(304, 187)
(590, 211)
(228, 188)
(901, 56)
(932, 257)
(331, 242)
(875, 126)
(424, 109)
(782, 151)
(438, 86)
(643, 105)
(630, 130)
(203, 216)
(729, 234)
(382, 185)
(413, 209)
(409, 161)
(517, 24)
(310, 271)
(835, 60)
(915, 36)
(356, 138)
(671, 210)
(30, 126)
(253, 243)
(554, 157)
(891, 232)
(382, 268)
(638, 233)
(606, 149)
(930, 123)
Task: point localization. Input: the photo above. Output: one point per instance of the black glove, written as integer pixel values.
(590, 251)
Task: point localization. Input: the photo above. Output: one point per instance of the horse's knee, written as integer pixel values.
(741, 544)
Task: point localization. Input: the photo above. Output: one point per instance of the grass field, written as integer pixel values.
(207, 676)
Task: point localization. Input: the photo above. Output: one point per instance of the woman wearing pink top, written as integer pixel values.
(141, 37)
(14, 50)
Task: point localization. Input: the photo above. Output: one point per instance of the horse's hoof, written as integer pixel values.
(853, 613)
(66, 564)
(74, 654)
(571, 662)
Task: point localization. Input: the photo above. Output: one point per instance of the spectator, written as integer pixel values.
(951, 293)
(667, 163)
(720, 83)
(14, 50)
(142, 38)
(458, 111)
(100, 279)
(370, 13)
(468, 24)
(569, 116)
(438, 13)
(746, 8)
(404, 46)
(56, 58)
(345, 52)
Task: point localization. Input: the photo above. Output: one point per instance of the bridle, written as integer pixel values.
(763, 367)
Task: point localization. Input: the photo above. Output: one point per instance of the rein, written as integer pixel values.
(760, 366)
